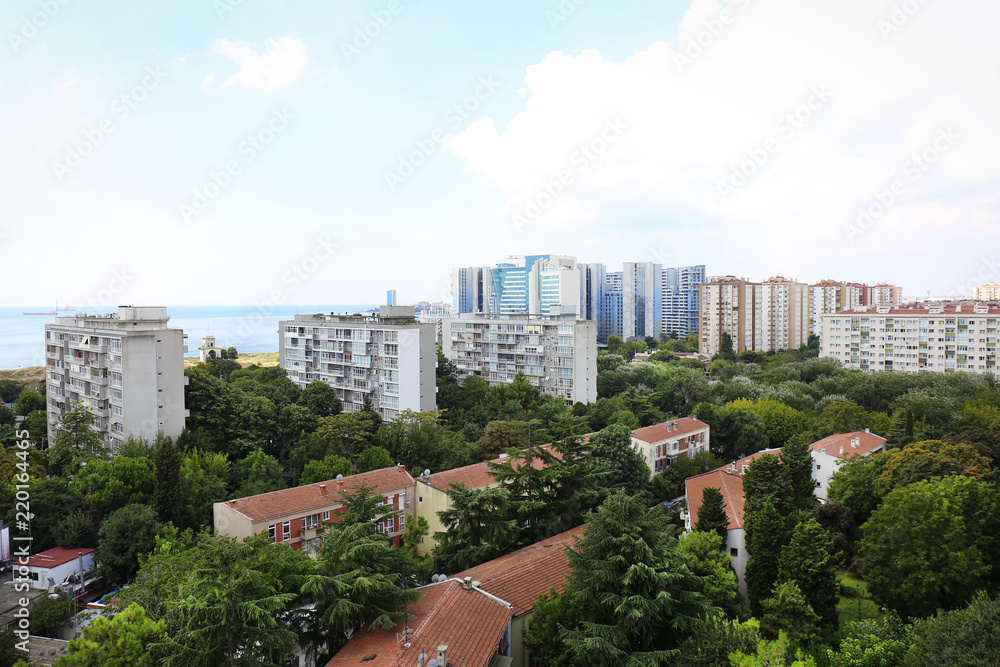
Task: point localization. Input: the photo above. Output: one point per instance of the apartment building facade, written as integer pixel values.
(678, 294)
(932, 337)
(387, 358)
(770, 315)
(127, 368)
(556, 353)
(986, 292)
(831, 296)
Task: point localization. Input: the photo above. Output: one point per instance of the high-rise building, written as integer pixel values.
(387, 358)
(520, 284)
(986, 292)
(470, 289)
(831, 296)
(127, 368)
(555, 353)
(678, 292)
(390, 297)
(771, 315)
(592, 283)
(930, 337)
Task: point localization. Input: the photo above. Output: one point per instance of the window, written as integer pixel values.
(734, 552)
(286, 533)
(326, 515)
(272, 533)
(420, 499)
(310, 522)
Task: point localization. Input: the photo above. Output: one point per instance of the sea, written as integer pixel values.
(247, 328)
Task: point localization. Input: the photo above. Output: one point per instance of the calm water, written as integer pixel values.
(247, 328)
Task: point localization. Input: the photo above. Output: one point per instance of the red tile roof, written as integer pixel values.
(520, 577)
(478, 474)
(660, 432)
(56, 556)
(731, 486)
(301, 498)
(839, 444)
(469, 622)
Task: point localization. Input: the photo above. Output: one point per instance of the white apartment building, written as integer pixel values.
(126, 367)
(771, 315)
(556, 353)
(931, 337)
(388, 358)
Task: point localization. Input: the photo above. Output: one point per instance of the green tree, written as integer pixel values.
(726, 349)
(80, 529)
(781, 422)
(320, 399)
(964, 637)
(75, 442)
(110, 485)
(237, 606)
(636, 595)
(51, 501)
(324, 470)
(854, 484)
(712, 516)
(501, 436)
(374, 458)
(707, 558)
(28, 401)
(259, 473)
(480, 525)
(551, 614)
(714, 640)
(10, 654)
(125, 535)
(612, 447)
(204, 481)
(797, 465)
(232, 354)
(167, 493)
(930, 545)
(48, 614)
(358, 582)
(881, 642)
(789, 612)
(121, 641)
(768, 522)
(738, 431)
(416, 530)
(807, 561)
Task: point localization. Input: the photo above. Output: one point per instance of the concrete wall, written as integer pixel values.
(429, 502)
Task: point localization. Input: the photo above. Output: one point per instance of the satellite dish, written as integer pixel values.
(340, 477)
(427, 472)
(434, 578)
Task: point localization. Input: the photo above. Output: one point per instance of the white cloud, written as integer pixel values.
(207, 82)
(65, 86)
(701, 103)
(281, 64)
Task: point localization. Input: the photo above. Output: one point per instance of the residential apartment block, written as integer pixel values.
(556, 353)
(661, 444)
(677, 294)
(930, 337)
(127, 368)
(300, 516)
(387, 358)
(986, 292)
(830, 296)
(770, 315)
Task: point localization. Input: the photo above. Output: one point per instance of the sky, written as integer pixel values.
(258, 151)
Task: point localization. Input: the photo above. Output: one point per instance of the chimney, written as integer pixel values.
(443, 655)
(340, 485)
(400, 467)
(867, 431)
(467, 585)
(841, 449)
(322, 489)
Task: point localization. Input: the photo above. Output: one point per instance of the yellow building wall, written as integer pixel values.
(430, 501)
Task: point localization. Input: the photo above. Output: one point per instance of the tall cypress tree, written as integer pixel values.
(712, 514)
(796, 465)
(768, 521)
(167, 498)
(807, 561)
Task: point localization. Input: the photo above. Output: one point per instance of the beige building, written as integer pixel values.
(770, 315)
(127, 368)
(299, 516)
(556, 353)
(661, 444)
(930, 337)
(986, 292)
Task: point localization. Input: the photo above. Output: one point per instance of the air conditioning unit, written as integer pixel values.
(407, 503)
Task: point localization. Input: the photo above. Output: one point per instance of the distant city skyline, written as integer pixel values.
(226, 153)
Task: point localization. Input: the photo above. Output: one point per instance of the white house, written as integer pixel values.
(57, 566)
(831, 451)
(729, 481)
(661, 444)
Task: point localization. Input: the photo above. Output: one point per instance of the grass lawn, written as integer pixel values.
(855, 609)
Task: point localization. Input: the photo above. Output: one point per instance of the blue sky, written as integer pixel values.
(235, 152)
